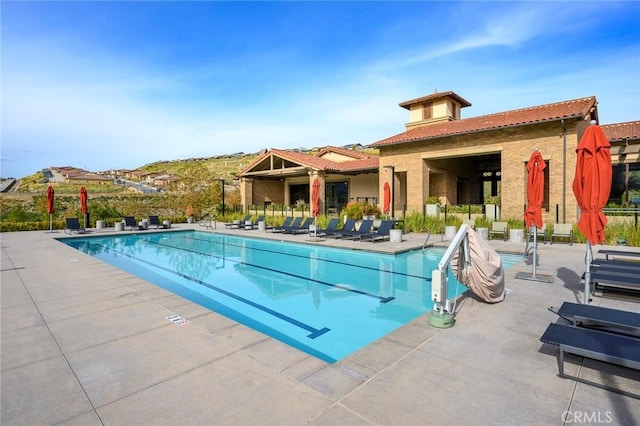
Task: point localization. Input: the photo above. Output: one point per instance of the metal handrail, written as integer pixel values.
(424, 245)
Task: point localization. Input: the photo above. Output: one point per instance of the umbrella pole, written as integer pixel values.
(50, 222)
(587, 274)
(535, 249)
(85, 220)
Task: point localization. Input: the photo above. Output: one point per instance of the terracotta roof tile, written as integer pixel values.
(620, 131)
(463, 102)
(556, 111)
(362, 161)
(344, 151)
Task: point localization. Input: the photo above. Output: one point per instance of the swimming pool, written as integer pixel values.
(328, 302)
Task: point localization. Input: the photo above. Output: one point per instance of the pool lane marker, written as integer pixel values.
(305, 257)
(328, 284)
(314, 332)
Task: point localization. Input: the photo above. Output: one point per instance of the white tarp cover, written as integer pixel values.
(484, 275)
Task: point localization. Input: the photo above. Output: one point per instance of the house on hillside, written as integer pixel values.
(459, 160)
(76, 176)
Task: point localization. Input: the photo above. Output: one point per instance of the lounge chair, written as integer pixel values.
(302, 229)
(594, 344)
(292, 224)
(381, 234)
(364, 229)
(615, 265)
(603, 319)
(619, 253)
(254, 224)
(499, 229)
(285, 224)
(130, 222)
(563, 231)
(346, 229)
(332, 226)
(237, 224)
(73, 224)
(155, 221)
(626, 280)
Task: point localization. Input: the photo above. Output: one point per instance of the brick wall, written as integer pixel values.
(440, 167)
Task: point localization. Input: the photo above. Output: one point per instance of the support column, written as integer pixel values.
(246, 191)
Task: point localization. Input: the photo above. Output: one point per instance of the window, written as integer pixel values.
(427, 112)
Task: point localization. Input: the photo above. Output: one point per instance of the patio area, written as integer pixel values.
(84, 343)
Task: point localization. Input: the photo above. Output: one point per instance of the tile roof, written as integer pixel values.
(345, 151)
(576, 108)
(463, 102)
(629, 130)
(361, 162)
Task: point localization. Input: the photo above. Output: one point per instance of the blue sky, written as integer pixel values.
(103, 85)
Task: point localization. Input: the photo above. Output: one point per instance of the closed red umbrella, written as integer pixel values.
(387, 198)
(533, 213)
(592, 182)
(50, 208)
(315, 198)
(591, 186)
(83, 204)
(535, 190)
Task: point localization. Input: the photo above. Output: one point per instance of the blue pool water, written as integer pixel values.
(328, 302)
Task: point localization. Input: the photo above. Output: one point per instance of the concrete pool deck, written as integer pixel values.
(84, 343)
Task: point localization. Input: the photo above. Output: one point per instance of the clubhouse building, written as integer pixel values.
(458, 160)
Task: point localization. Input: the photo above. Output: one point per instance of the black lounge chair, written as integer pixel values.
(302, 229)
(381, 234)
(292, 223)
(332, 226)
(616, 265)
(364, 229)
(627, 280)
(594, 344)
(254, 224)
(73, 224)
(238, 224)
(287, 222)
(155, 221)
(619, 253)
(597, 317)
(346, 229)
(130, 222)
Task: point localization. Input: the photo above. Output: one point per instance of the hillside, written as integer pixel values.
(205, 169)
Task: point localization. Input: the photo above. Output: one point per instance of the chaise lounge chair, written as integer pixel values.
(130, 222)
(364, 229)
(155, 221)
(594, 344)
(302, 229)
(253, 224)
(238, 224)
(294, 223)
(73, 224)
(597, 317)
(332, 226)
(381, 234)
(348, 227)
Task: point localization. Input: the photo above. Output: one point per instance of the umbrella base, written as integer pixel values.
(534, 277)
